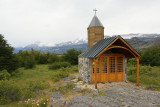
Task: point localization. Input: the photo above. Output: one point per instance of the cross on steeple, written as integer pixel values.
(95, 10)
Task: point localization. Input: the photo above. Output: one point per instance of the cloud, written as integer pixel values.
(52, 21)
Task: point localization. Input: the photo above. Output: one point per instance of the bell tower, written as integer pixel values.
(95, 31)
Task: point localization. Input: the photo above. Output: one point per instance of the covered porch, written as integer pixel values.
(109, 64)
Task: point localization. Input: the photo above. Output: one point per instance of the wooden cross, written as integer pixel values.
(95, 10)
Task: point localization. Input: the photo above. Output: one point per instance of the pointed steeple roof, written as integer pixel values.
(95, 22)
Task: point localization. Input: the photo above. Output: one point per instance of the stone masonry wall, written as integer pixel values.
(84, 66)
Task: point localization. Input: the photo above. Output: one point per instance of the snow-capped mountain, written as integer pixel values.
(81, 43)
(75, 42)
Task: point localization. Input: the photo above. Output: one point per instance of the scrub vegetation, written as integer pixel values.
(27, 77)
(149, 68)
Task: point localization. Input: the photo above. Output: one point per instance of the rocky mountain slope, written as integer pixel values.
(138, 41)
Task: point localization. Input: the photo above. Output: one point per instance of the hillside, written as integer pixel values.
(138, 41)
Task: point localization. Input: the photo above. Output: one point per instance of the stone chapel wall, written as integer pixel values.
(84, 66)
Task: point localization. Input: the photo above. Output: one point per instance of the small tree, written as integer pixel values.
(71, 56)
(8, 60)
(53, 58)
(151, 56)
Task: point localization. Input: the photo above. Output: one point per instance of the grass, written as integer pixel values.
(39, 80)
(40, 72)
(149, 77)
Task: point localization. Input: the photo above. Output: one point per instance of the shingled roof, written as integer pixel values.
(95, 22)
(97, 48)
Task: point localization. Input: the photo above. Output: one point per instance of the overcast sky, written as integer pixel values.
(53, 21)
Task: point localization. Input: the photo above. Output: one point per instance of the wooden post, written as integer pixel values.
(137, 71)
(95, 65)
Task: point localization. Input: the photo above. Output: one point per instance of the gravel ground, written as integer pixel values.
(116, 94)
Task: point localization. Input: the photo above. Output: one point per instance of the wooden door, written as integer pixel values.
(103, 69)
(109, 68)
(116, 68)
(112, 68)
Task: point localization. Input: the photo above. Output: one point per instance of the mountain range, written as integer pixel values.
(138, 41)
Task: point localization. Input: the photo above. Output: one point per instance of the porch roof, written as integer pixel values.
(100, 46)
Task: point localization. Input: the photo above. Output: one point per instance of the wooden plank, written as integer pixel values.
(92, 71)
(137, 71)
(95, 64)
(122, 48)
(100, 77)
(108, 72)
(116, 73)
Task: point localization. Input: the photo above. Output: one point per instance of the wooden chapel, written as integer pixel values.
(104, 60)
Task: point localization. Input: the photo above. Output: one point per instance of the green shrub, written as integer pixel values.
(9, 92)
(131, 71)
(131, 78)
(74, 69)
(37, 85)
(27, 93)
(67, 88)
(151, 56)
(4, 75)
(145, 69)
(71, 56)
(62, 73)
(58, 75)
(30, 62)
(131, 62)
(57, 65)
(43, 59)
(16, 73)
(53, 58)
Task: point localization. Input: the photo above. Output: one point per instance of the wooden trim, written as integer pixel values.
(106, 48)
(123, 48)
(120, 46)
(92, 70)
(137, 71)
(108, 68)
(95, 64)
(99, 60)
(129, 46)
(114, 54)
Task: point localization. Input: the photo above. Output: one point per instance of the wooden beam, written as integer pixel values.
(122, 48)
(129, 46)
(137, 71)
(95, 67)
(106, 48)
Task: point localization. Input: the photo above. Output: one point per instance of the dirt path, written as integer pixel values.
(116, 94)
